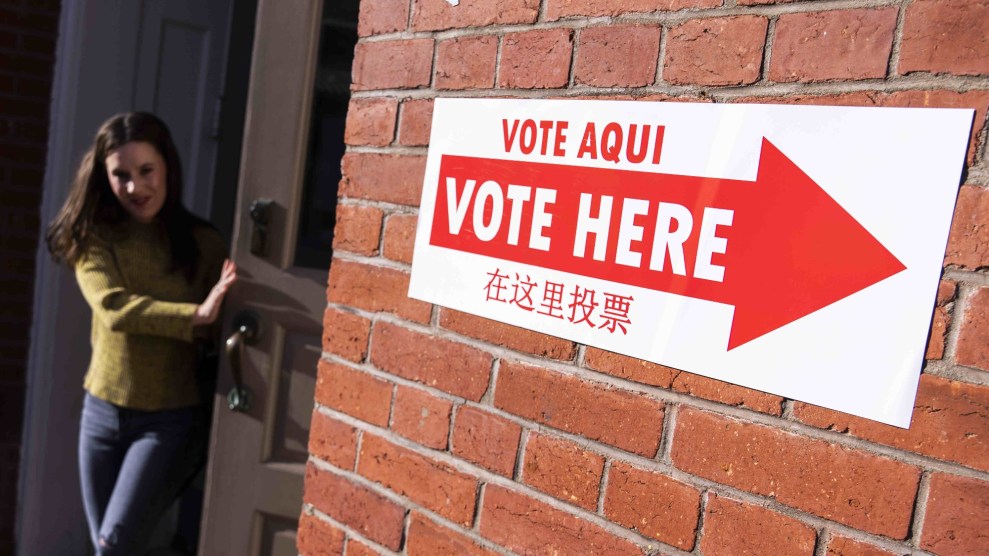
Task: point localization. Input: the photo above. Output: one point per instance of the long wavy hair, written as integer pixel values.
(91, 203)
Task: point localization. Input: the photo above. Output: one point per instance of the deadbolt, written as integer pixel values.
(260, 213)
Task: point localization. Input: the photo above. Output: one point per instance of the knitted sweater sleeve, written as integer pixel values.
(121, 310)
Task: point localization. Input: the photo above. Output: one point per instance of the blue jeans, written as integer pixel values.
(132, 464)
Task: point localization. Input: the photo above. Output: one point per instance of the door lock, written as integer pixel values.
(260, 213)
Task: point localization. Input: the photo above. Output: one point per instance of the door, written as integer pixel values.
(282, 238)
(180, 60)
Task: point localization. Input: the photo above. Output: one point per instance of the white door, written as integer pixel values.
(180, 63)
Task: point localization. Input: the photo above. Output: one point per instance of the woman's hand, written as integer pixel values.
(209, 309)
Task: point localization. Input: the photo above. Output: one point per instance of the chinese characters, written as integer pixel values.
(570, 302)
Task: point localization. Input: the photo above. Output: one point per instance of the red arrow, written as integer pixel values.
(790, 249)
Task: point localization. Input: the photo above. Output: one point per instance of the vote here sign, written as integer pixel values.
(791, 249)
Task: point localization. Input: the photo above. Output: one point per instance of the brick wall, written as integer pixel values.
(28, 32)
(437, 432)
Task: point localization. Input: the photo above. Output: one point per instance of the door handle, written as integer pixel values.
(247, 330)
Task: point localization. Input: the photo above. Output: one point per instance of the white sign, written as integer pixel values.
(791, 249)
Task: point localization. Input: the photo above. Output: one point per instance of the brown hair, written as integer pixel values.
(91, 201)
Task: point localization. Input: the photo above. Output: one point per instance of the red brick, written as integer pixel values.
(357, 548)
(563, 470)
(968, 243)
(946, 292)
(428, 482)
(939, 328)
(973, 340)
(841, 44)
(758, 2)
(400, 237)
(716, 51)
(957, 517)
(449, 366)
(428, 538)
(333, 441)
(652, 504)
(8, 40)
(558, 9)
(7, 84)
(843, 546)
(437, 15)
(355, 506)
(486, 439)
(376, 289)
(345, 334)
(727, 393)
(620, 55)
(946, 36)
(371, 121)
(623, 419)
(415, 122)
(34, 88)
(42, 20)
(21, 153)
(629, 368)
(13, 371)
(398, 64)
(25, 64)
(27, 176)
(382, 16)
(25, 108)
(949, 423)
(358, 229)
(34, 133)
(466, 63)
(383, 177)
(353, 392)
(507, 335)
(536, 59)
(422, 417)
(732, 528)
(315, 537)
(852, 487)
(527, 526)
(42, 45)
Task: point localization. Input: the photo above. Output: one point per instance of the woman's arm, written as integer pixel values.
(209, 309)
(123, 311)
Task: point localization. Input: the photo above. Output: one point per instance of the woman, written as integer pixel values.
(155, 276)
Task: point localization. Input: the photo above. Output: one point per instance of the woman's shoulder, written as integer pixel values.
(103, 236)
(105, 240)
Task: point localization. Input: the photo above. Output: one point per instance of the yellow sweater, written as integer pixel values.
(142, 333)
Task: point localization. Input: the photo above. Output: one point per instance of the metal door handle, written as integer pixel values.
(247, 329)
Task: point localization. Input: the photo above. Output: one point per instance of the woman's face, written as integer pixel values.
(137, 175)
